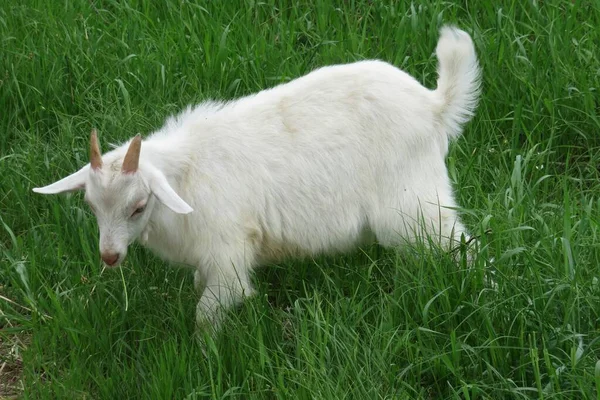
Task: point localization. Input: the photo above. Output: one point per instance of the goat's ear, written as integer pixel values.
(164, 192)
(75, 181)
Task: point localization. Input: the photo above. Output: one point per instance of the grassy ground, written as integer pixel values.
(372, 324)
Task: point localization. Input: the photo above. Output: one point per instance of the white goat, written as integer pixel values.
(306, 167)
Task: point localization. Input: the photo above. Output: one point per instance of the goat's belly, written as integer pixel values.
(301, 232)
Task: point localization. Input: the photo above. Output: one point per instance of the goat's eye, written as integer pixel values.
(138, 211)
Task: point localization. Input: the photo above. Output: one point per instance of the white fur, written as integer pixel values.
(315, 165)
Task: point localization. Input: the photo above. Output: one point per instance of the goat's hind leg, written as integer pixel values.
(433, 225)
(440, 228)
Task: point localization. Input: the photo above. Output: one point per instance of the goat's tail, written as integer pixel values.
(458, 84)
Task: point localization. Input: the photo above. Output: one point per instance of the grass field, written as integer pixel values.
(374, 324)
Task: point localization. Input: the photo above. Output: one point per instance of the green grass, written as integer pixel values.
(373, 324)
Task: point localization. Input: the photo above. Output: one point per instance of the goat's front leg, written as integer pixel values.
(226, 284)
(199, 280)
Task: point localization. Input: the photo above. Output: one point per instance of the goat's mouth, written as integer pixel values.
(113, 266)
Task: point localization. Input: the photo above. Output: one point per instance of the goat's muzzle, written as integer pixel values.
(110, 259)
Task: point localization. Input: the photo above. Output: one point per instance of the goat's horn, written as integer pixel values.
(95, 156)
(132, 158)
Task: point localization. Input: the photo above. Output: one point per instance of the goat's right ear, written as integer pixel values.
(75, 181)
(164, 192)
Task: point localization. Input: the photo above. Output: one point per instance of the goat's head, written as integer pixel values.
(121, 191)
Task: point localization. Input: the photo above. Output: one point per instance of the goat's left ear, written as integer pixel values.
(164, 192)
(75, 181)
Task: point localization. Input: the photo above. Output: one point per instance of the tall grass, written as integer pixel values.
(372, 324)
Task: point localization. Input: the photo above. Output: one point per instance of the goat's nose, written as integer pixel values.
(110, 258)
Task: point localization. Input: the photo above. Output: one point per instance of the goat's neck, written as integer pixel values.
(171, 159)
